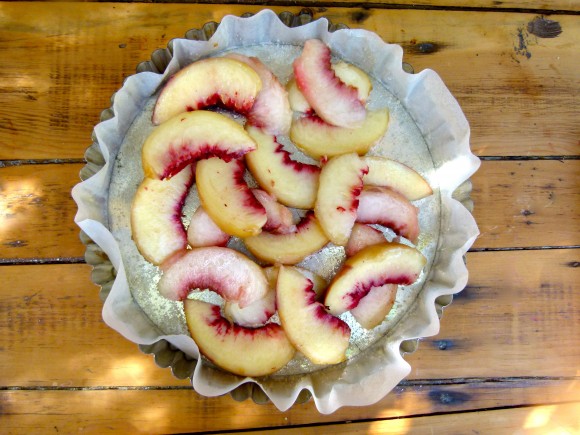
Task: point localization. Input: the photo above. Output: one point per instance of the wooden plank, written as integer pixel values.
(547, 5)
(517, 204)
(529, 420)
(527, 310)
(57, 321)
(519, 316)
(529, 203)
(518, 91)
(170, 411)
(37, 211)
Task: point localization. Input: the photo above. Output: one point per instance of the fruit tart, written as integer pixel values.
(277, 204)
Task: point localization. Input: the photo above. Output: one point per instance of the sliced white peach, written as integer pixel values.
(156, 224)
(331, 99)
(288, 248)
(398, 176)
(362, 236)
(203, 231)
(321, 337)
(337, 199)
(254, 315)
(296, 98)
(190, 137)
(279, 217)
(271, 110)
(319, 284)
(318, 138)
(386, 207)
(227, 272)
(374, 307)
(355, 77)
(347, 73)
(208, 82)
(374, 266)
(242, 351)
(227, 199)
(292, 183)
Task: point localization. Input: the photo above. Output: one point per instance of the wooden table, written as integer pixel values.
(508, 355)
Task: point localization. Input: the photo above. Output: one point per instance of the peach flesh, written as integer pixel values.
(209, 82)
(363, 288)
(293, 183)
(242, 351)
(227, 272)
(203, 231)
(290, 248)
(374, 266)
(226, 197)
(271, 110)
(331, 99)
(362, 236)
(189, 137)
(320, 336)
(156, 216)
(386, 207)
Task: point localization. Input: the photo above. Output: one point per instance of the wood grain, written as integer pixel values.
(527, 310)
(514, 199)
(519, 98)
(517, 204)
(538, 420)
(170, 411)
(547, 5)
(518, 306)
(37, 212)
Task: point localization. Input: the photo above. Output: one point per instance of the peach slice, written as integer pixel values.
(347, 73)
(279, 217)
(271, 110)
(288, 248)
(242, 351)
(296, 98)
(227, 272)
(384, 206)
(293, 183)
(227, 199)
(338, 192)
(203, 231)
(318, 138)
(190, 137)
(398, 176)
(254, 315)
(156, 216)
(362, 236)
(374, 307)
(259, 312)
(355, 77)
(374, 266)
(208, 82)
(332, 100)
(321, 337)
(319, 284)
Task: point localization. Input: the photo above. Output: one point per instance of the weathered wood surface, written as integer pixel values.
(544, 6)
(508, 344)
(536, 420)
(527, 310)
(519, 97)
(171, 411)
(517, 204)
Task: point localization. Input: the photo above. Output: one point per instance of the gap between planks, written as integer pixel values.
(308, 5)
(293, 428)
(405, 383)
